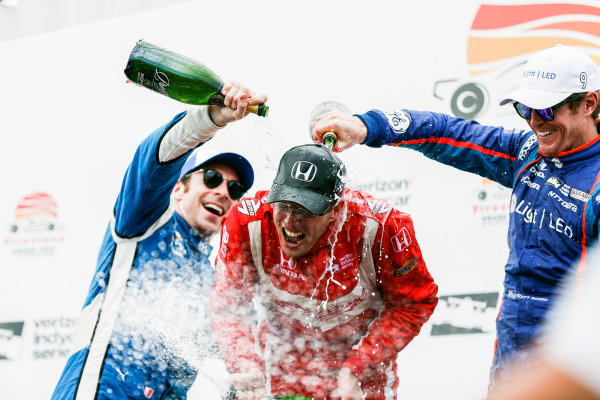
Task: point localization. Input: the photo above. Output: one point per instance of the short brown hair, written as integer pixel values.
(575, 104)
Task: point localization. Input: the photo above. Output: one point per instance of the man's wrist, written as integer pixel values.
(215, 115)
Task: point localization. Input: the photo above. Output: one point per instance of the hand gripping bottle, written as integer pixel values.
(329, 138)
(177, 77)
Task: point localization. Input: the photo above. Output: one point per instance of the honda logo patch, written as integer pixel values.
(401, 241)
(304, 171)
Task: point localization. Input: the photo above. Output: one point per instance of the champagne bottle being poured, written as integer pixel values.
(329, 138)
(178, 77)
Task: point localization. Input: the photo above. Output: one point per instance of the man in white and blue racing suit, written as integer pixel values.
(143, 329)
(553, 170)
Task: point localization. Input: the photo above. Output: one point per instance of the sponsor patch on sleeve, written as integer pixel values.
(399, 120)
(527, 146)
(406, 268)
(249, 207)
(580, 195)
(378, 206)
(224, 236)
(401, 241)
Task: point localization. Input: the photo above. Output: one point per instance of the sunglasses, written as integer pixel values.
(298, 212)
(547, 114)
(213, 178)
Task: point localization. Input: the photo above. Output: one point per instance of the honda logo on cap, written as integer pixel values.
(304, 171)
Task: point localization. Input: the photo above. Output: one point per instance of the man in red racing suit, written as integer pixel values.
(355, 298)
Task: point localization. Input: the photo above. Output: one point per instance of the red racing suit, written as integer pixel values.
(356, 299)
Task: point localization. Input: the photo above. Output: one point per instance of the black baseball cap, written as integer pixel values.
(311, 176)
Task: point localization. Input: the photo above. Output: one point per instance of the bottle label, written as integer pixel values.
(159, 82)
(142, 81)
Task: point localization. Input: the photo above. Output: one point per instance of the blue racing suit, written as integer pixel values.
(554, 208)
(143, 326)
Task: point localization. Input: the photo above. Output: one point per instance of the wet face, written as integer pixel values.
(202, 207)
(298, 229)
(568, 129)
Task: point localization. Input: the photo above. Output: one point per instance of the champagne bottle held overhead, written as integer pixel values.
(329, 138)
(178, 77)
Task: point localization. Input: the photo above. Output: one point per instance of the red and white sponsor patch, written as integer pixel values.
(402, 240)
(249, 207)
(378, 206)
(224, 236)
(148, 392)
(580, 195)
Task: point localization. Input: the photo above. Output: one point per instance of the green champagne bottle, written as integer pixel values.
(329, 138)
(177, 77)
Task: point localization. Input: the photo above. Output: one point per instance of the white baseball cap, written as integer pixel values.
(552, 75)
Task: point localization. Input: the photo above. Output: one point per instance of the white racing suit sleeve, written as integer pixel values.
(193, 129)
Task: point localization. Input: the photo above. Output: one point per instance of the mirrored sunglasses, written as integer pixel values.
(547, 114)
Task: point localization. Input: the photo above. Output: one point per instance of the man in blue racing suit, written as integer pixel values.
(143, 327)
(553, 170)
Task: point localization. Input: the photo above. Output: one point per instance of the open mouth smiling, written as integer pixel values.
(546, 133)
(215, 209)
(292, 237)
